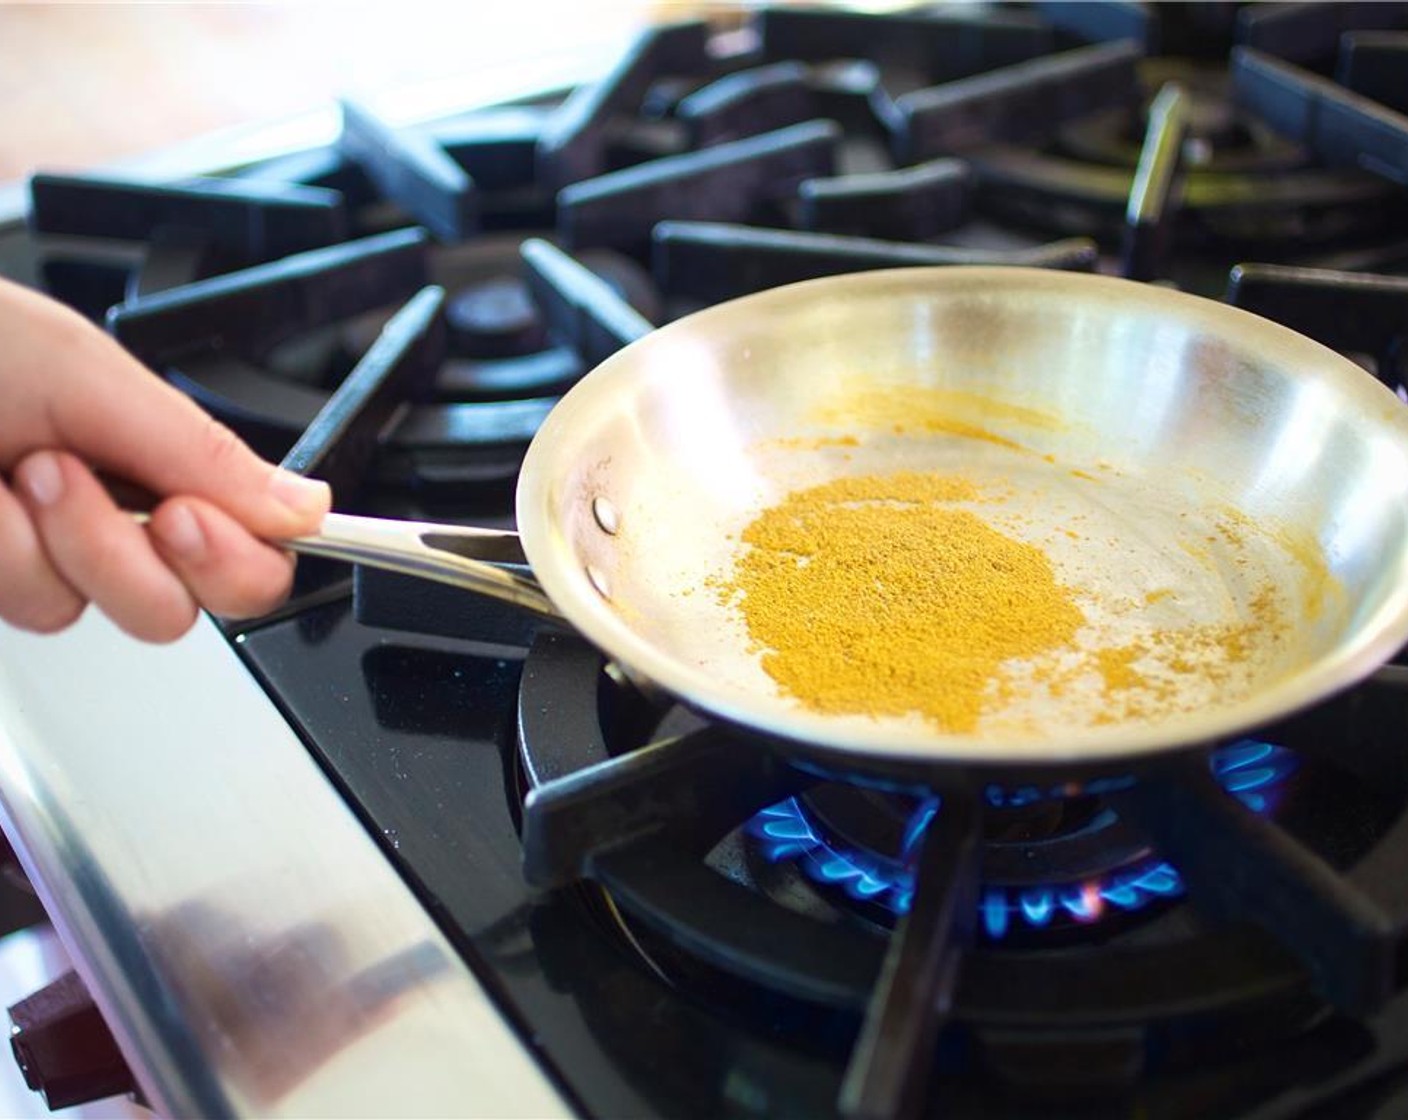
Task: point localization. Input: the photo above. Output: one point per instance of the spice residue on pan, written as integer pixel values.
(815, 443)
(909, 411)
(918, 411)
(909, 594)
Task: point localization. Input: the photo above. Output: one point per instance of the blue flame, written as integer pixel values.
(918, 825)
(1014, 797)
(1128, 890)
(1252, 771)
(788, 834)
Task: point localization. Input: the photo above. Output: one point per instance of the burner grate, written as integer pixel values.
(656, 826)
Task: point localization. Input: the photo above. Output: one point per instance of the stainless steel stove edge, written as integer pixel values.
(250, 946)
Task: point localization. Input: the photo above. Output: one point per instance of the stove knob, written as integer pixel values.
(63, 1047)
(10, 869)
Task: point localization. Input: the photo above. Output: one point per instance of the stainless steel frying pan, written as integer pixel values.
(1201, 451)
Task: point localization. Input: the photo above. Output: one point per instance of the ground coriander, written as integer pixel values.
(875, 595)
(889, 595)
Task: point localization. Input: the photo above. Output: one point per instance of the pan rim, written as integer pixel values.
(1373, 640)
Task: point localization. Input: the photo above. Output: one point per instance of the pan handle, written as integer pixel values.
(463, 557)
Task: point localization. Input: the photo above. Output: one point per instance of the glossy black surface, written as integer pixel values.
(419, 734)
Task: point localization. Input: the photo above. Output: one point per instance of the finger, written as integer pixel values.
(227, 570)
(100, 551)
(33, 596)
(112, 411)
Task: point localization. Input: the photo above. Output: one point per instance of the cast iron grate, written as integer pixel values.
(655, 823)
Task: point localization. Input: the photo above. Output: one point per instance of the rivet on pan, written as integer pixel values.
(606, 514)
(599, 581)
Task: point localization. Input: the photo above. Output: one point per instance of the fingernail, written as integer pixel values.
(180, 531)
(43, 478)
(303, 495)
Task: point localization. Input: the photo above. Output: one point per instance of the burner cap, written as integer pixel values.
(495, 318)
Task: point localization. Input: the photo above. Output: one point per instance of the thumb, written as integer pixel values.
(120, 416)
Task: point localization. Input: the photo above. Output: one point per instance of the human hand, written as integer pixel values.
(72, 400)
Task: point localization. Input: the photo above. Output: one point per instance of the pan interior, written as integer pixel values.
(1183, 466)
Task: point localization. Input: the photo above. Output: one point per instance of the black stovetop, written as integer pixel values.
(1160, 1013)
(421, 735)
(679, 921)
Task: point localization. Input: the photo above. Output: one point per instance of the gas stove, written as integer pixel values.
(397, 850)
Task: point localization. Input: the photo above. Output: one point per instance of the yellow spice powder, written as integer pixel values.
(872, 595)
(875, 596)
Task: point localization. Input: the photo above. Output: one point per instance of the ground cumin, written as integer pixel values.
(882, 596)
(874, 595)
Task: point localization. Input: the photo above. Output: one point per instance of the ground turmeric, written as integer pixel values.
(875, 595)
(889, 595)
